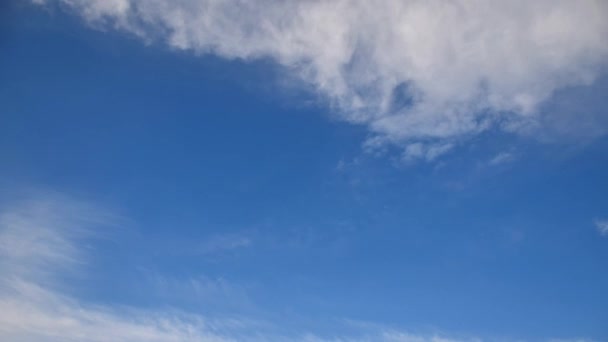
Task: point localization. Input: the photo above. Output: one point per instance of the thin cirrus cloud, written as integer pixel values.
(602, 227)
(41, 242)
(423, 73)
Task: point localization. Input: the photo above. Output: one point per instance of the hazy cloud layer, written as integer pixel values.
(428, 73)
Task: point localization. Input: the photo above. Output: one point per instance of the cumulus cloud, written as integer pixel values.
(428, 72)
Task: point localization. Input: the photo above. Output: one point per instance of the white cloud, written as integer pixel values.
(199, 290)
(223, 243)
(36, 237)
(501, 158)
(395, 336)
(58, 319)
(41, 240)
(417, 71)
(428, 152)
(602, 227)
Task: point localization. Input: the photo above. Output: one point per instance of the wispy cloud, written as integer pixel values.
(212, 293)
(37, 236)
(501, 158)
(41, 240)
(416, 73)
(223, 243)
(428, 152)
(60, 319)
(602, 227)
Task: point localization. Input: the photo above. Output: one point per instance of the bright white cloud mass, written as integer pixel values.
(420, 74)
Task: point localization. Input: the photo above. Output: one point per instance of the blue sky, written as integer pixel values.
(211, 171)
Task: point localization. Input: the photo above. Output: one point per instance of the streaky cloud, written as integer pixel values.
(41, 240)
(602, 227)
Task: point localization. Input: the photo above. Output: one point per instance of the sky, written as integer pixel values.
(317, 170)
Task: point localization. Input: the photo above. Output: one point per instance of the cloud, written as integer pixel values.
(37, 236)
(602, 227)
(224, 243)
(501, 158)
(395, 336)
(42, 239)
(431, 72)
(212, 293)
(428, 152)
(57, 319)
